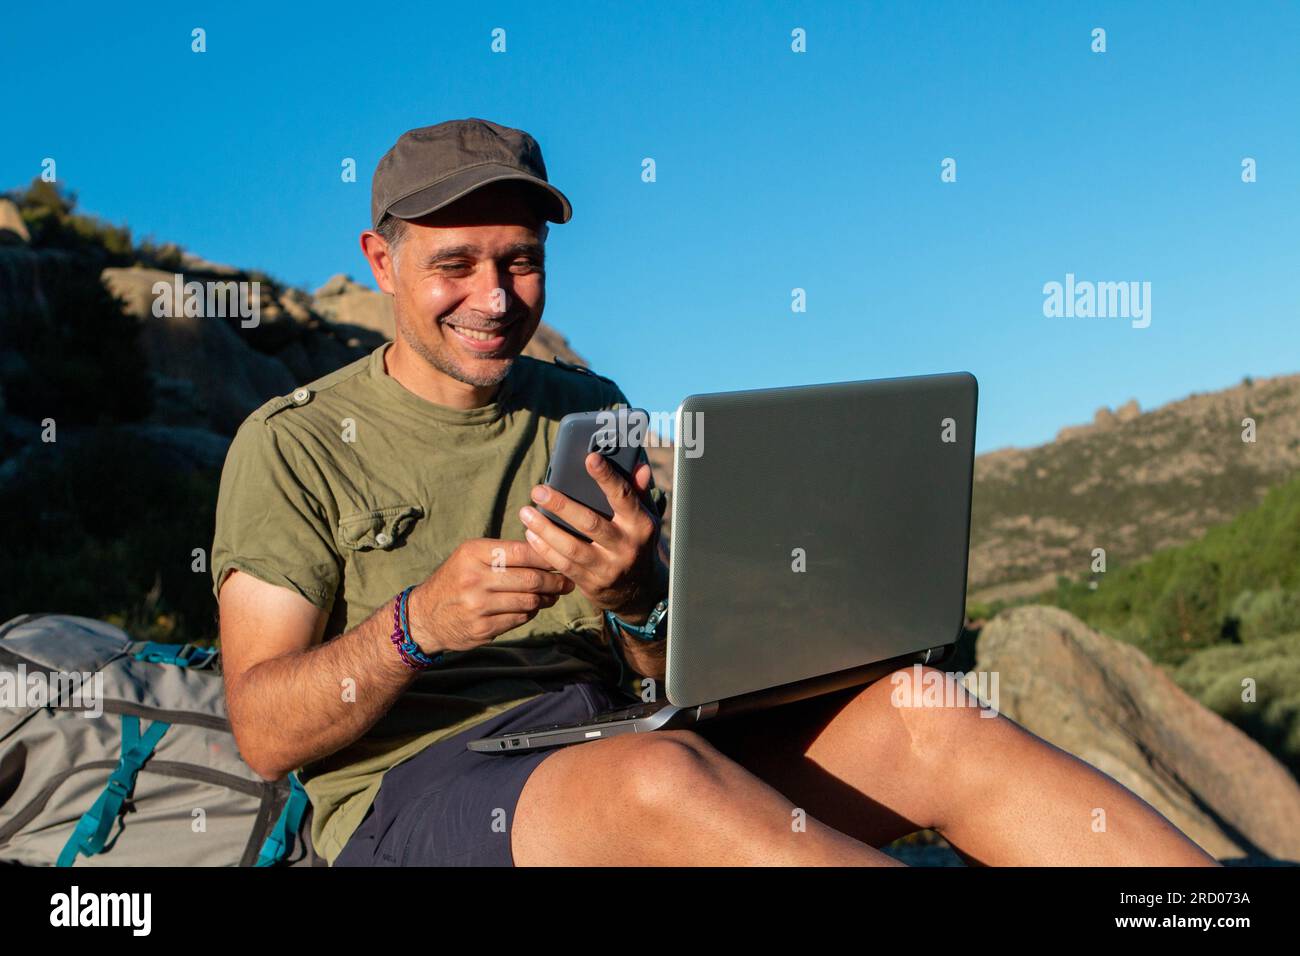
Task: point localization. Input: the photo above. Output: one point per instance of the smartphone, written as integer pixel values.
(619, 434)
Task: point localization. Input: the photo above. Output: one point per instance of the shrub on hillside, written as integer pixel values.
(48, 212)
(1184, 598)
(1186, 615)
(166, 256)
(1220, 676)
(1258, 615)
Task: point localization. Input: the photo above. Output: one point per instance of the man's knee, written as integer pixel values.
(661, 772)
(941, 717)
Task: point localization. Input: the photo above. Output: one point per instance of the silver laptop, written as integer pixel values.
(819, 541)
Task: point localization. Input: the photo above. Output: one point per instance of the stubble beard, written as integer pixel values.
(436, 356)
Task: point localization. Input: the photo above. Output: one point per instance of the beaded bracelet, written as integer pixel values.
(407, 649)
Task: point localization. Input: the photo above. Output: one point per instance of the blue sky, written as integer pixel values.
(775, 170)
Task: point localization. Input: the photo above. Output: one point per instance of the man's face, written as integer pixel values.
(469, 283)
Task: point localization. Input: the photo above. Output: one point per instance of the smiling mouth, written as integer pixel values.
(481, 340)
(476, 333)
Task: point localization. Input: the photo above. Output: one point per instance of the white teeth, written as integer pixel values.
(474, 334)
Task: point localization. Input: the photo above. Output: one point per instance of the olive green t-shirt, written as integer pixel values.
(353, 488)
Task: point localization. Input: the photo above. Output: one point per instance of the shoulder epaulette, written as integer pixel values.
(303, 394)
(300, 396)
(581, 368)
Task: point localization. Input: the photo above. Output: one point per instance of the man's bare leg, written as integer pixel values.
(863, 771)
(666, 799)
(999, 794)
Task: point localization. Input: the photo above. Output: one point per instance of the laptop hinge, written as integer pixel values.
(816, 686)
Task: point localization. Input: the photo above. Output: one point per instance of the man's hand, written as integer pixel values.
(620, 569)
(485, 588)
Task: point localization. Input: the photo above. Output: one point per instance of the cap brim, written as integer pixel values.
(553, 203)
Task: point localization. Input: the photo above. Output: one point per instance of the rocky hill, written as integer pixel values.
(218, 372)
(1131, 483)
(204, 372)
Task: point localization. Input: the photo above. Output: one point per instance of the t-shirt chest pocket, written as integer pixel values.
(379, 529)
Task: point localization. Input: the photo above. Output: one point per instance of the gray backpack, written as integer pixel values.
(116, 752)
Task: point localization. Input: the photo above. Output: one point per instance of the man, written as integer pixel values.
(387, 592)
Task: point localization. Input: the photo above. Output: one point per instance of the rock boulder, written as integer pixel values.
(230, 378)
(1108, 704)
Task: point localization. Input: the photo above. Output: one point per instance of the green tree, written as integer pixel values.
(53, 223)
(1186, 616)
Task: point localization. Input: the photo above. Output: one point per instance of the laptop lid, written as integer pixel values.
(816, 529)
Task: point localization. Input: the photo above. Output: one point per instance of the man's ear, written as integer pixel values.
(382, 264)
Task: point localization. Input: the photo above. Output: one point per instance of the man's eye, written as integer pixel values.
(529, 265)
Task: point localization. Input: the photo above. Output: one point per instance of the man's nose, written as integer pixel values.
(490, 295)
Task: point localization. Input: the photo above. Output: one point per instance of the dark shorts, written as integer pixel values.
(450, 806)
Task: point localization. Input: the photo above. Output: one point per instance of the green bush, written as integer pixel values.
(53, 223)
(1186, 616)
(166, 256)
(1258, 615)
(48, 213)
(1186, 598)
(984, 610)
(1215, 676)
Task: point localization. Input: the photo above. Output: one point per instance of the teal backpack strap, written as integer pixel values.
(182, 655)
(97, 823)
(280, 841)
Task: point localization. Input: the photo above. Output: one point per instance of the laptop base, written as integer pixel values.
(647, 718)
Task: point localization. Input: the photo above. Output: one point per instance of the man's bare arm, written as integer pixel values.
(291, 699)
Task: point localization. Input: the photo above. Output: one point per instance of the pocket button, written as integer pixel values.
(382, 528)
